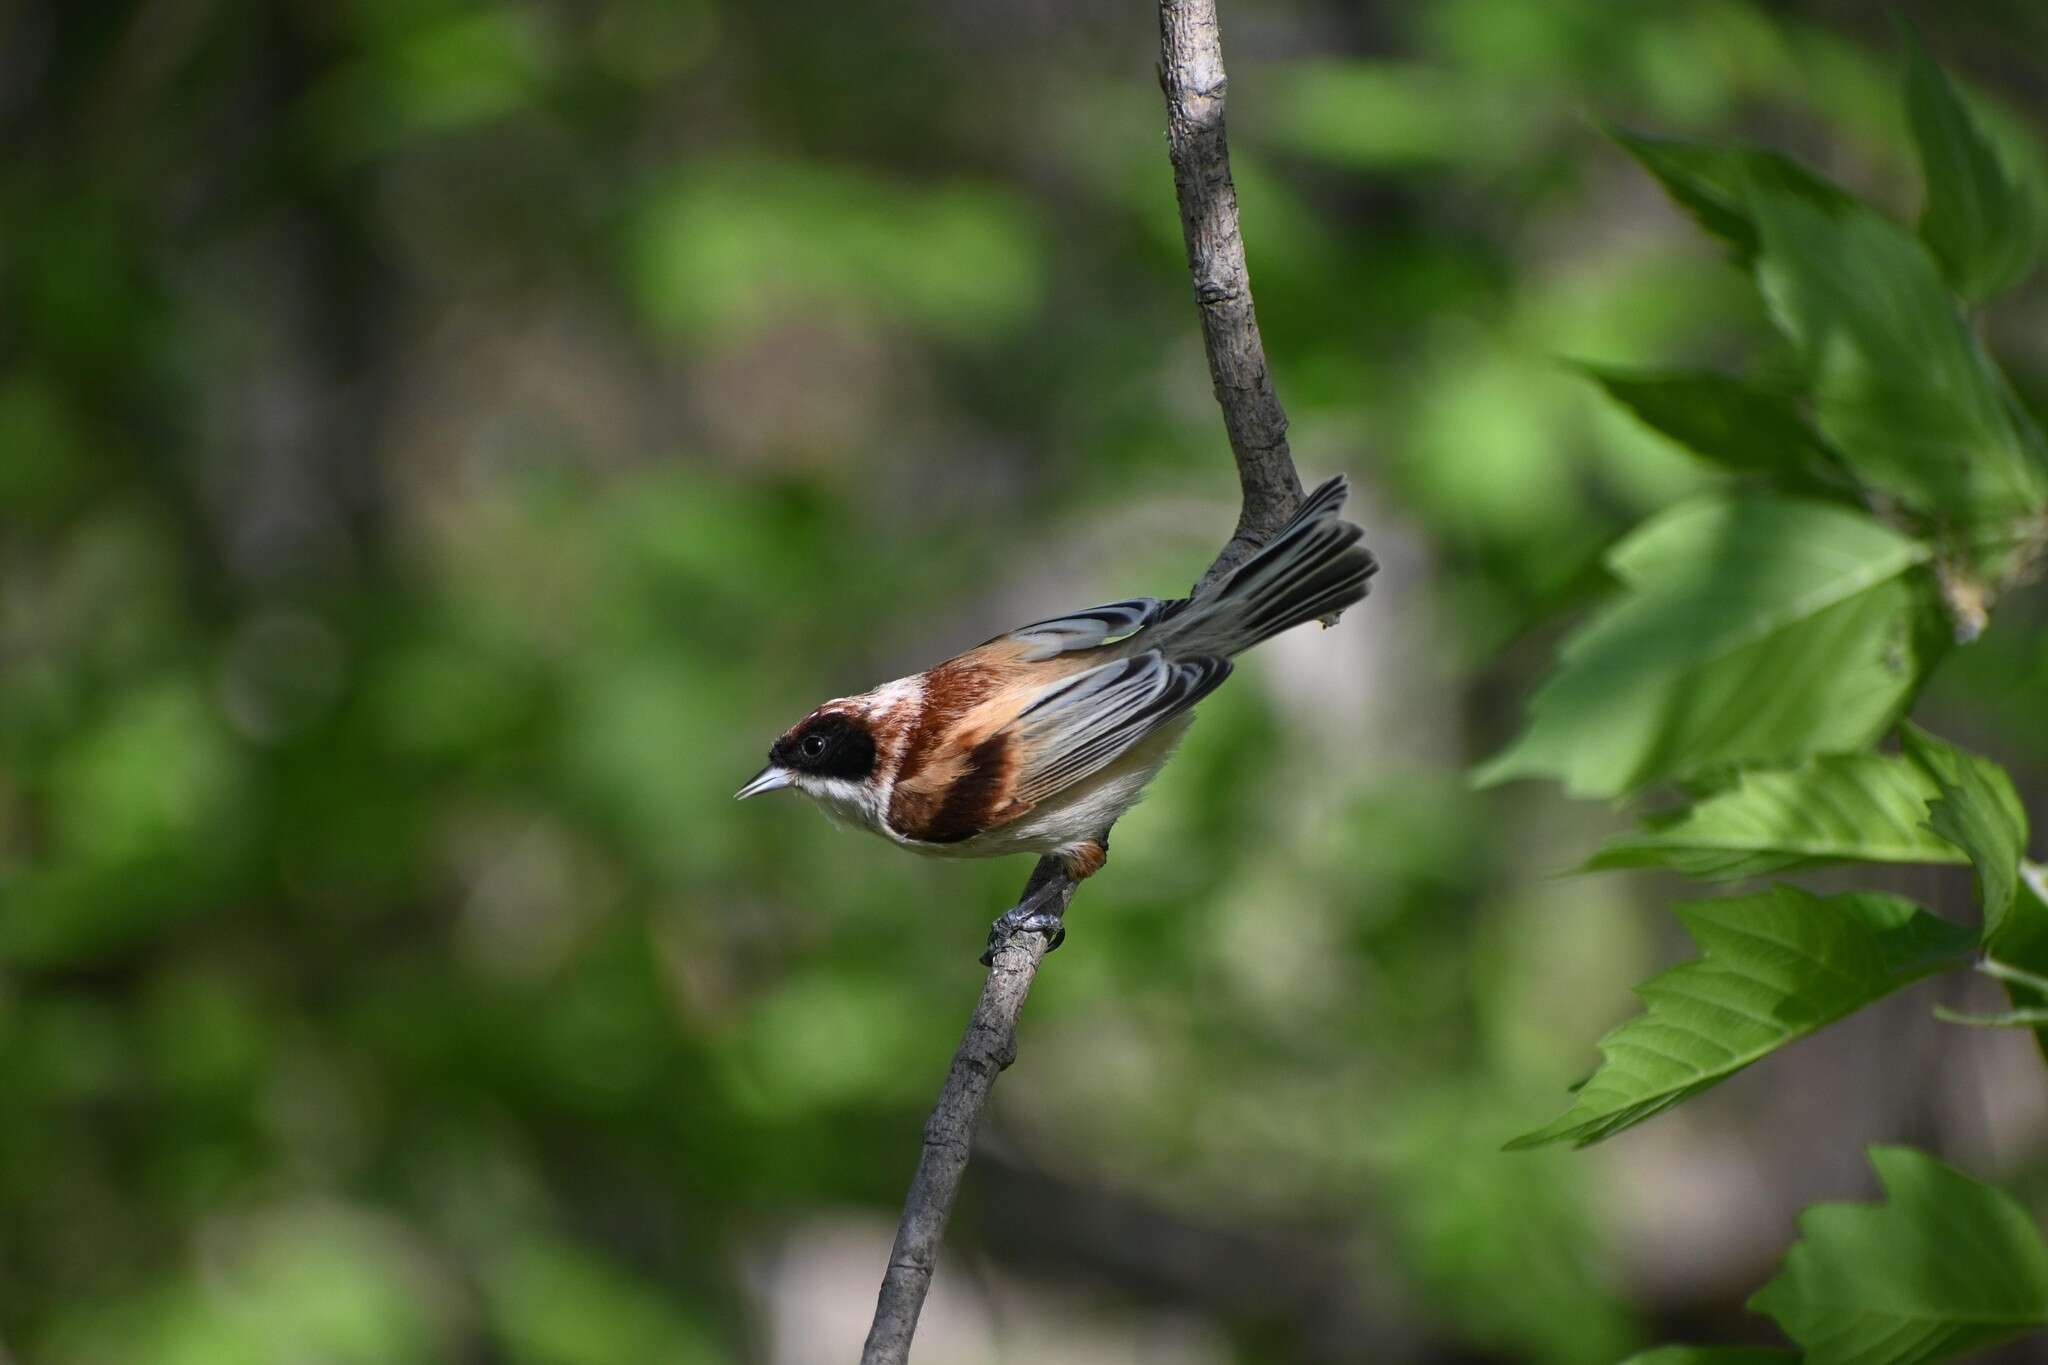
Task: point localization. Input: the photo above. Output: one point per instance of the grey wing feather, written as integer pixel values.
(1083, 723)
(1087, 629)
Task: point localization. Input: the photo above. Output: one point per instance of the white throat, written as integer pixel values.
(858, 804)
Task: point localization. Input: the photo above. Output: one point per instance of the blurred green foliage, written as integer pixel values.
(441, 444)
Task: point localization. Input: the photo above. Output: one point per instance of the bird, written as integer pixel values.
(1037, 740)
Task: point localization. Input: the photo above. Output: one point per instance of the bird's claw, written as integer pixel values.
(1024, 919)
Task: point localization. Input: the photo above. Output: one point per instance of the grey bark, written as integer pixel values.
(989, 1046)
(1191, 75)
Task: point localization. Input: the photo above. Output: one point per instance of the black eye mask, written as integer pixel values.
(848, 752)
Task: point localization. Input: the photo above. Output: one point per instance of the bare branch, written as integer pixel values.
(989, 1046)
(1191, 74)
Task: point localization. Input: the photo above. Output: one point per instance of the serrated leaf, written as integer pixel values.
(1947, 1266)
(1832, 808)
(1900, 387)
(1980, 813)
(1721, 419)
(1712, 1355)
(1774, 967)
(1982, 218)
(1722, 592)
(1710, 182)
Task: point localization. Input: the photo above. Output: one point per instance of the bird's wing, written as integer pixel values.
(1087, 629)
(1083, 723)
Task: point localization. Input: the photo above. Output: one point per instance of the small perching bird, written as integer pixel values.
(1036, 741)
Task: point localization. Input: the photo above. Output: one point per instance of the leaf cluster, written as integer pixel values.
(1767, 638)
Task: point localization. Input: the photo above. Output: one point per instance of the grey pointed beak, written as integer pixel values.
(767, 780)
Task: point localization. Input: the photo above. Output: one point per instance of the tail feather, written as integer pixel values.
(1313, 567)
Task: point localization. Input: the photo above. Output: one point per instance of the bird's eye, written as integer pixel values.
(814, 746)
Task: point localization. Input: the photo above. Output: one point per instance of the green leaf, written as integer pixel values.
(1981, 219)
(1980, 813)
(1710, 182)
(1722, 593)
(1949, 1266)
(1901, 388)
(1703, 179)
(1775, 967)
(1834, 807)
(2023, 943)
(1711, 1355)
(1733, 424)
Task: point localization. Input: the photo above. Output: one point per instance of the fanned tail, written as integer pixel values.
(1312, 567)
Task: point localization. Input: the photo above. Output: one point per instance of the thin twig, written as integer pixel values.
(2027, 1018)
(2018, 976)
(1191, 74)
(989, 1046)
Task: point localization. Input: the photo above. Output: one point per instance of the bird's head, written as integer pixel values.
(828, 755)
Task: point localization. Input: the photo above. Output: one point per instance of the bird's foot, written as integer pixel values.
(1011, 923)
(1039, 913)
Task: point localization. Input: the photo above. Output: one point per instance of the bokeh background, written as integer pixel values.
(442, 443)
